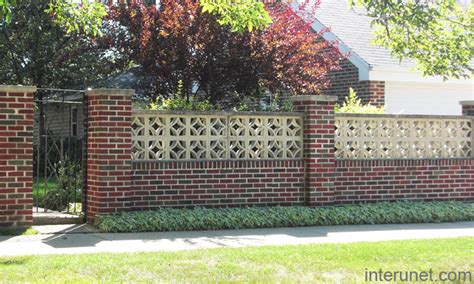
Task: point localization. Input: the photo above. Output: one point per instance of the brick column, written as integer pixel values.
(318, 147)
(109, 144)
(468, 109)
(16, 155)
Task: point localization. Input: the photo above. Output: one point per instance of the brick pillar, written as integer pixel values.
(109, 144)
(318, 147)
(16, 155)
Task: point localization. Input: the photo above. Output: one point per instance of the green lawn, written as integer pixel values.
(18, 231)
(304, 263)
(40, 190)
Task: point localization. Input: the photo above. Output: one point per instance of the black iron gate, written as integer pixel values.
(59, 151)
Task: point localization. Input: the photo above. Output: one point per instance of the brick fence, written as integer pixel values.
(159, 178)
(149, 160)
(16, 155)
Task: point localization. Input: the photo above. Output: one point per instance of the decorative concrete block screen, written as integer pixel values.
(402, 137)
(216, 136)
(228, 159)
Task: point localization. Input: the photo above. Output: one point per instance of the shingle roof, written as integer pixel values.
(353, 29)
(128, 79)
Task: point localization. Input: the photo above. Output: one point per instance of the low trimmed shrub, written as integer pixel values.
(269, 217)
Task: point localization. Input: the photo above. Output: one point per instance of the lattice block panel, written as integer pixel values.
(163, 136)
(265, 137)
(386, 137)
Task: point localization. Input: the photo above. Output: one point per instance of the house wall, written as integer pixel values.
(401, 97)
(426, 98)
(59, 121)
(372, 92)
(467, 107)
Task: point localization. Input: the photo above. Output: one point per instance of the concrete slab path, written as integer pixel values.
(67, 239)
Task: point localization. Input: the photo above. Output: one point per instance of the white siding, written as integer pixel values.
(426, 98)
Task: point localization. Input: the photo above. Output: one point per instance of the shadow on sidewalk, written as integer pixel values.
(87, 236)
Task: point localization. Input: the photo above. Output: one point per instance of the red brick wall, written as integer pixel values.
(342, 80)
(217, 183)
(468, 108)
(115, 183)
(377, 180)
(375, 93)
(16, 155)
(348, 76)
(109, 140)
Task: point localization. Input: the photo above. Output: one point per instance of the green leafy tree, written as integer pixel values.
(77, 17)
(34, 50)
(239, 15)
(6, 9)
(437, 34)
(85, 18)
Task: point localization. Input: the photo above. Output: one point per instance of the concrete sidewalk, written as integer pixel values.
(64, 239)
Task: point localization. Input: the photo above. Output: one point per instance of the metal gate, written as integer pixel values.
(59, 151)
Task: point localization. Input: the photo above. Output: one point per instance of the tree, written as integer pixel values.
(77, 17)
(34, 50)
(84, 17)
(437, 34)
(178, 42)
(6, 9)
(240, 16)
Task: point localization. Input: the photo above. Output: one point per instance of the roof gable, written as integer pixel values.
(353, 29)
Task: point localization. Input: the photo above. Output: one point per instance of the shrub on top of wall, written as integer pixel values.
(353, 104)
(268, 217)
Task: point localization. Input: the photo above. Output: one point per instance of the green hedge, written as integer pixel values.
(268, 217)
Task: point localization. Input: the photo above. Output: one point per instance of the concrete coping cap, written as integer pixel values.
(17, 89)
(110, 92)
(315, 98)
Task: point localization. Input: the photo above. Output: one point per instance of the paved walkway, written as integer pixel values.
(64, 239)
